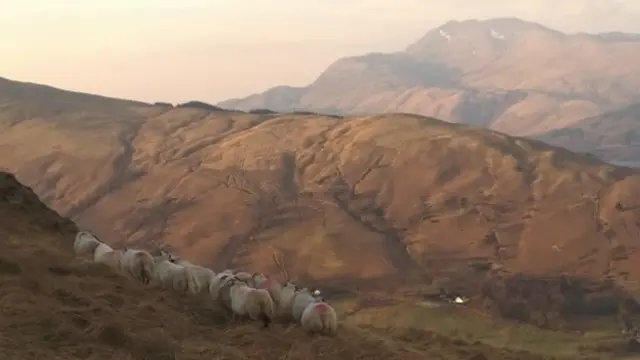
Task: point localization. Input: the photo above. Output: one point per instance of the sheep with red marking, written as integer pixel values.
(314, 315)
(273, 286)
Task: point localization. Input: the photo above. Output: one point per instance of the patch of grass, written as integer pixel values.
(471, 326)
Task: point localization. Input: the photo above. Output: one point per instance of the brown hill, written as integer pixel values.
(612, 136)
(355, 199)
(506, 74)
(56, 308)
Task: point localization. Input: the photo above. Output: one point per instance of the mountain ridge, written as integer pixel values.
(517, 77)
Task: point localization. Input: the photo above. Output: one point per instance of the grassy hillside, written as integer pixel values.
(53, 307)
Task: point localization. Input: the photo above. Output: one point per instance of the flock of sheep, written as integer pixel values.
(252, 296)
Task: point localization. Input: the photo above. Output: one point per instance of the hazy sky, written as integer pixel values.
(211, 50)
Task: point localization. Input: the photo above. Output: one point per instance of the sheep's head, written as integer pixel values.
(156, 252)
(290, 285)
(258, 276)
(232, 281)
(162, 256)
(243, 276)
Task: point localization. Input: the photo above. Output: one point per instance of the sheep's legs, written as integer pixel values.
(84, 261)
(234, 318)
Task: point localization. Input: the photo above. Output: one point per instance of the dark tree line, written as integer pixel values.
(550, 302)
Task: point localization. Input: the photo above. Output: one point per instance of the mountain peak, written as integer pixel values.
(491, 32)
(504, 23)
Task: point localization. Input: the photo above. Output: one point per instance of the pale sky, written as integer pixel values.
(212, 50)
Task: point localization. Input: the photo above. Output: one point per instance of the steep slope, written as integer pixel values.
(361, 199)
(56, 308)
(507, 74)
(613, 136)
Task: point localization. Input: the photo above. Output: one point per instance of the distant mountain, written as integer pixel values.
(612, 136)
(617, 36)
(506, 74)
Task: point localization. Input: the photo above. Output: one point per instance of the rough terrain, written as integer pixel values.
(54, 307)
(510, 75)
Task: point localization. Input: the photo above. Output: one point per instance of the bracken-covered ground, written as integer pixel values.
(53, 307)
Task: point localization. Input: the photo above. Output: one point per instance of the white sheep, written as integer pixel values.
(285, 298)
(101, 250)
(112, 259)
(85, 244)
(138, 265)
(301, 299)
(217, 282)
(205, 275)
(248, 301)
(273, 286)
(243, 276)
(316, 315)
(219, 290)
(170, 275)
(319, 317)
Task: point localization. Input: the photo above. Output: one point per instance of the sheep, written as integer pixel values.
(175, 276)
(248, 301)
(220, 291)
(112, 259)
(314, 315)
(243, 276)
(261, 281)
(101, 250)
(85, 244)
(162, 253)
(227, 272)
(319, 317)
(218, 282)
(205, 275)
(285, 300)
(300, 300)
(105, 254)
(138, 265)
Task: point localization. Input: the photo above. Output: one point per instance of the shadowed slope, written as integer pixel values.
(613, 136)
